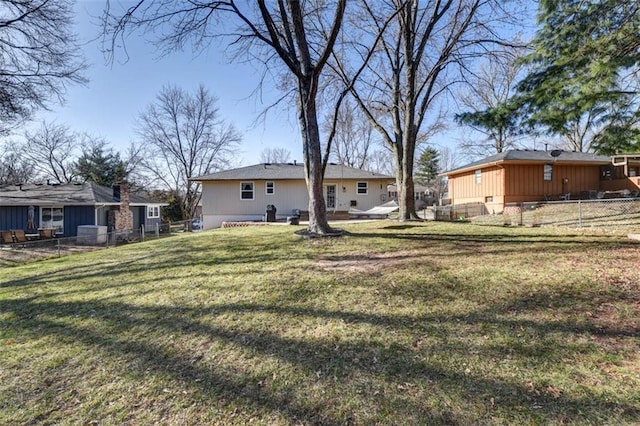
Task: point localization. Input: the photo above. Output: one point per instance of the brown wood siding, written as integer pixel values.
(526, 182)
(630, 183)
(516, 183)
(464, 189)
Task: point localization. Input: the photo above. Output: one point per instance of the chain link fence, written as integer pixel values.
(458, 212)
(35, 249)
(607, 213)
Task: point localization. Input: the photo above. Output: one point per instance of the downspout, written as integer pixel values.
(95, 213)
(504, 184)
(339, 190)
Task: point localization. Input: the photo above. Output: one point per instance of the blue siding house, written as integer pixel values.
(64, 207)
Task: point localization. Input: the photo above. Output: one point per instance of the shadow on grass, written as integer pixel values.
(171, 257)
(332, 365)
(359, 368)
(183, 253)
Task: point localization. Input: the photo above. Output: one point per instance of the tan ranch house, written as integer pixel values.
(518, 176)
(244, 194)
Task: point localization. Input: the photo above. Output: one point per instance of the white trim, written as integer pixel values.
(366, 188)
(153, 212)
(41, 222)
(266, 188)
(253, 190)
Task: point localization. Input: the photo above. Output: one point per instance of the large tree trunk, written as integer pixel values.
(314, 172)
(403, 154)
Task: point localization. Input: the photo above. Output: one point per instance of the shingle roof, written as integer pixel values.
(289, 171)
(65, 194)
(535, 156)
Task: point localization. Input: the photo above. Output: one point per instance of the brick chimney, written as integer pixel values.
(121, 217)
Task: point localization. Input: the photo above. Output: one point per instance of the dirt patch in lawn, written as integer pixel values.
(365, 262)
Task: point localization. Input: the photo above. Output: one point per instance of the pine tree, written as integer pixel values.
(583, 84)
(101, 166)
(427, 167)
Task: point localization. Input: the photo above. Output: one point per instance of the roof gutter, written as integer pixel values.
(476, 167)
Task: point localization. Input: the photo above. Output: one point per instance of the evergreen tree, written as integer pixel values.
(583, 83)
(101, 165)
(428, 166)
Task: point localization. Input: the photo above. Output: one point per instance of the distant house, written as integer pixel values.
(243, 194)
(64, 207)
(423, 195)
(518, 176)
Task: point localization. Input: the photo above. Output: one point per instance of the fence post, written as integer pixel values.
(142, 232)
(580, 213)
(157, 230)
(521, 214)
(58, 247)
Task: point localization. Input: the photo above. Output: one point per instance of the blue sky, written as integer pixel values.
(115, 95)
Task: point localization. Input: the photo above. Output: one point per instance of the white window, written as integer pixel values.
(246, 190)
(362, 188)
(270, 188)
(548, 172)
(52, 217)
(153, 212)
(478, 177)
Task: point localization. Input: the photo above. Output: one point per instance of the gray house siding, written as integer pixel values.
(138, 217)
(150, 224)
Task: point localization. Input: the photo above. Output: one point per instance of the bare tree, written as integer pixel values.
(40, 56)
(15, 170)
(491, 112)
(185, 137)
(353, 140)
(275, 155)
(297, 35)
(52, 150)
(449, 160)
(381, 161)
(424, 52)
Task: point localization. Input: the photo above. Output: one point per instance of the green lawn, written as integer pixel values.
(391, 324)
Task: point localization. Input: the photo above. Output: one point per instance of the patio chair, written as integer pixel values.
(6, 237)
(46, 233)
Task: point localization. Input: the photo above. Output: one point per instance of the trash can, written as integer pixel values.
(271, 213)
(293, 220)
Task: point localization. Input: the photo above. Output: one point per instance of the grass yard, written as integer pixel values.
(416, 323)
